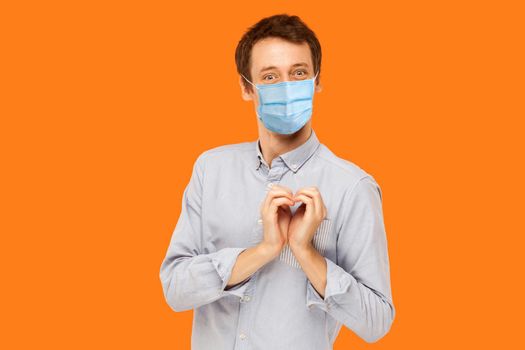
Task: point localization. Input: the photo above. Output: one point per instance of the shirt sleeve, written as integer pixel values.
(358, 292)
(190, 278)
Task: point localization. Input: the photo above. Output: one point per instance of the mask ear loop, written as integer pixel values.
(248, 81)
(313, 79)
(258, 116)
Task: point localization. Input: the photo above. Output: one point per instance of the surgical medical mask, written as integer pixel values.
(285, 107)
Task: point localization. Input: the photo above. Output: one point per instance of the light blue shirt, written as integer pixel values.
(277, 307)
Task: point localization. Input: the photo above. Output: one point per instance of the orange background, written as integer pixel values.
(106, 105)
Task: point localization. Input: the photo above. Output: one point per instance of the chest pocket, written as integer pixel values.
(321, 241)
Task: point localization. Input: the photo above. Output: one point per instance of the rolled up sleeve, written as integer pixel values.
(190, 278)
(358, 292)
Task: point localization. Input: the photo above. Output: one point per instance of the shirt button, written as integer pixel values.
(270, 185)
(260, 221)
(246, 298)
(242, 336)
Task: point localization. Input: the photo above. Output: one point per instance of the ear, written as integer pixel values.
(318, 87)
(245, 94)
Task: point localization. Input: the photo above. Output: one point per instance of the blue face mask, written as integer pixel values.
(285, 107)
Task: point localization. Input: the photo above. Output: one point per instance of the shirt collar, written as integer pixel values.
(295, 158)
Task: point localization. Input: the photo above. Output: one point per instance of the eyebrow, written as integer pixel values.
(274, 67)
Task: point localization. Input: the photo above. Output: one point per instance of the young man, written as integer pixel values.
(279, 242)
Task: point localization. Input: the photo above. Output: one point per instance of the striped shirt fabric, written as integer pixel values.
(277, 307)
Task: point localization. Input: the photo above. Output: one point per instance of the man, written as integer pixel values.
(279, 242)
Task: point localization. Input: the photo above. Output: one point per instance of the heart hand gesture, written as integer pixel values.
(281, 227)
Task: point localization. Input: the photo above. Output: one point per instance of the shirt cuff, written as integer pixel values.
(338, 281)
(223, 261)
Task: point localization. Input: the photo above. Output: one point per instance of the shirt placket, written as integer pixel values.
(246, 310)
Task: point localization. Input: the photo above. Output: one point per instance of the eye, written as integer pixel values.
(269, 76)
(302, 73)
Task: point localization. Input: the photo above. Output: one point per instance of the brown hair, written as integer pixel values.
(284, 26)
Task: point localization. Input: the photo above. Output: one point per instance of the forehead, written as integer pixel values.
(279, 53)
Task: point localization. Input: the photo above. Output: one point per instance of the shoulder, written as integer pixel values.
(343, 171)
(225, 153)
(359, 190)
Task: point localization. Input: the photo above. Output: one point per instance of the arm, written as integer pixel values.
(355, 291)
(249, 261)
(190, 278)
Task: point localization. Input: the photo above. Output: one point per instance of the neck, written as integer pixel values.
(273, 144)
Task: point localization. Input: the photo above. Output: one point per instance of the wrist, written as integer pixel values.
(268, 251)
(301, 248)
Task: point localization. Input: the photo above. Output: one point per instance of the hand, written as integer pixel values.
(306, 219)
(276, 215)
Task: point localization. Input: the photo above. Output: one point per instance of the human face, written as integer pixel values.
(277, 60)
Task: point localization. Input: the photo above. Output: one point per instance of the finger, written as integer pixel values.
(281, 187)
(307, 201)
(276, 192)
(285, 209)
(277, 187)
(277, 202)
(314, 193)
